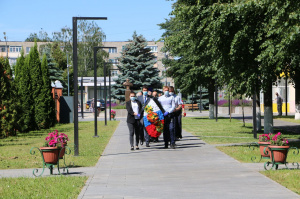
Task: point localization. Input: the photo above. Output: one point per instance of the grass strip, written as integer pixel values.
(48, 187)
(287, 178)
(14, 151)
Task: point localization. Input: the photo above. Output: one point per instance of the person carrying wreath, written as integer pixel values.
(133, 107)
(168, 103)
(177, 113)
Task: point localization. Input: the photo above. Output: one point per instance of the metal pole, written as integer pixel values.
(109, 75)
(68, 75)
(229, 105)
(81, 85)
(286, 96)
(76, 150)
(95, 91)
(105, 111)
(216, 100)
(192, 102)
(254, 115)
(200, 99)
(74, 20)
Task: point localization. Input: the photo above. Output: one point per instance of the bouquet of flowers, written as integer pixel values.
(113, 114)
(278, 140)
(54, 139)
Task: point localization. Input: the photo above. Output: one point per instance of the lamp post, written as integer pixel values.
(95, 86)
(216, 98)
(68, 75)
(75, 66)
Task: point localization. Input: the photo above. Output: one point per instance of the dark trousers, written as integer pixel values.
(279, 109)
(177, 123)
(169, 133)
(144, 133)
(134, 128)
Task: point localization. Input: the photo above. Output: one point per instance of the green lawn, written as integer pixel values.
(14, 151)
(221, 132)
(14, 154)
(50, 187)
(288, 178)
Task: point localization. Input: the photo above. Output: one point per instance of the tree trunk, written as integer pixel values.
(258, 112)
(211, 90)
(297, 95)
(268, 113)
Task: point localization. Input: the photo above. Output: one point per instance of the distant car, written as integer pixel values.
(101, 104)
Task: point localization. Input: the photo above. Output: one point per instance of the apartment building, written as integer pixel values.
(12, 50)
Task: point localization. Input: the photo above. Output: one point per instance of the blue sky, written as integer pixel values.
(19, 18)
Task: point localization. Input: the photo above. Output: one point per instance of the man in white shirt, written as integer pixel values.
(168, 103)
(177, 113)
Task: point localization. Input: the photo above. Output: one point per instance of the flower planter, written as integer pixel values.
(264, 150)
(279, 153)
(50, 154)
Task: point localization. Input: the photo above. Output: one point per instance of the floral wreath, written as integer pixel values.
(154, 119)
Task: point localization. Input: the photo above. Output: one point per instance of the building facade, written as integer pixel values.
(12, 50)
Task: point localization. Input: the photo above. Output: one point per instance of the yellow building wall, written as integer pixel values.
(274, 106)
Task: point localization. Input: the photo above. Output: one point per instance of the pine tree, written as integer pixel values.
(36, 83)
(137, 65)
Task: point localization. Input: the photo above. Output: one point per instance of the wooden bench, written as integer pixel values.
(190, 106)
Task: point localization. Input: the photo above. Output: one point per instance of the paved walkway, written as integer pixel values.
(193, 170)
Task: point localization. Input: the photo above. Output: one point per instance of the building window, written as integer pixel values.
(153, 48)
(112, 50)
(124, 48)
(114, 61)
(28, 50)
(114, 73)
(3, 48)
(15, 49)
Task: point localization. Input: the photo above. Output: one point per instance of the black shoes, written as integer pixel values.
(137, 148)
(132, 148)
(147, 145)
(173, 146)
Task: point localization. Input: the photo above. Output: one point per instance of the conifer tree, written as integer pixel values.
(23, 82)
(137, 65)
(36, 83)
(7, 112)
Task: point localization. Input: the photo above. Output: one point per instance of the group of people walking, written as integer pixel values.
(171, 106)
